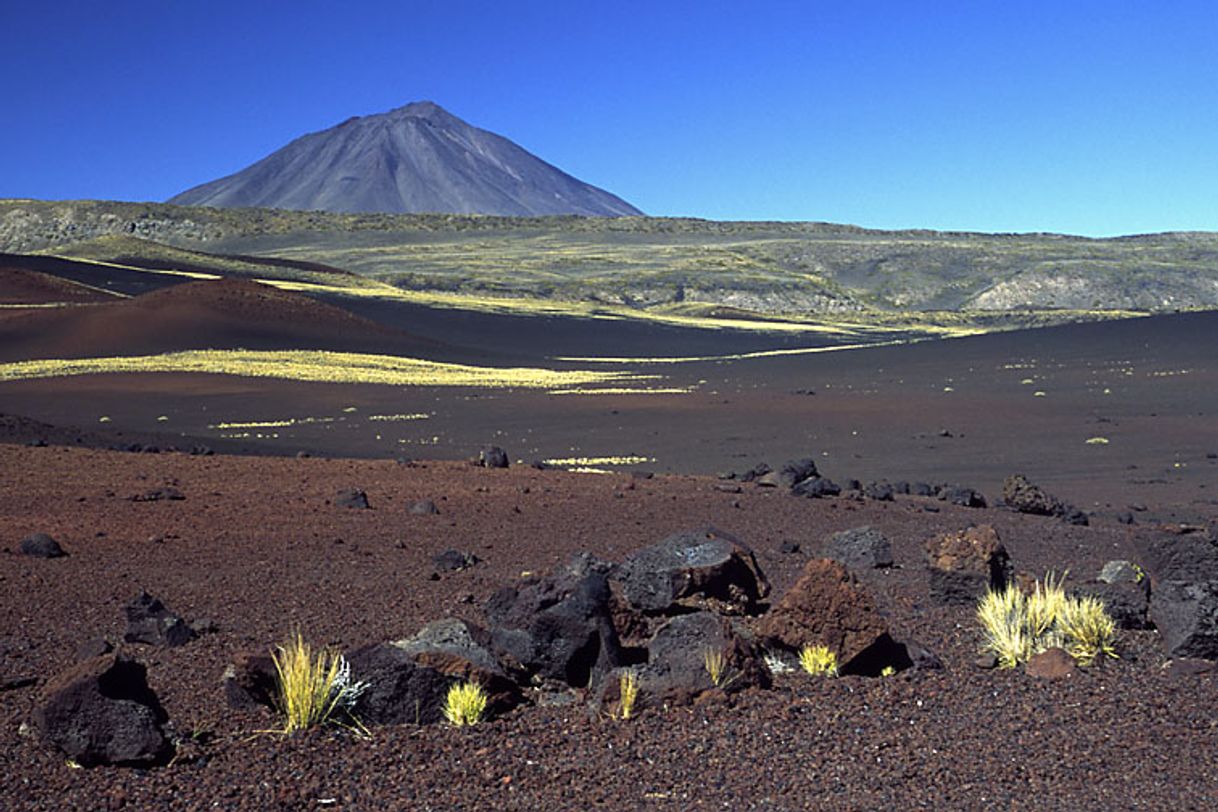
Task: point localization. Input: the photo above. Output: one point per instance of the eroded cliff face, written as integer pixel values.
(37, 226)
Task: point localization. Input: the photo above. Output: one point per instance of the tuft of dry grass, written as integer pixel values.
(716, 666)
(313, 686)
(819, 661)
(628, 689)
(1016, 626)
(465, 704)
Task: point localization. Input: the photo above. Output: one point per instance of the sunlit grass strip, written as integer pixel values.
(395, 418)
(599, 461)
(624, 390)
(273, 424)
(318, 366)
(743, 356)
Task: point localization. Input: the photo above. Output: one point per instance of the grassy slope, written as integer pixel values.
(661, 267)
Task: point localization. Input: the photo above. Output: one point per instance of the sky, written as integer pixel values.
(1094, 118)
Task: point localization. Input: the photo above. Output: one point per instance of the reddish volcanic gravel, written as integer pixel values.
(257, 547)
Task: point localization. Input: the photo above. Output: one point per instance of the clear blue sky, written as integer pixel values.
(1095, 118)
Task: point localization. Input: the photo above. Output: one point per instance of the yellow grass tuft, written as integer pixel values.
(465, 704)
(819, 661)
(1088, 629)
(1016, 626)
(313, 686)
(715, 663)
(628, 689)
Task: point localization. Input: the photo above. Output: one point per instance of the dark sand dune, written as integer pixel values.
(218, 314)
(20, 286)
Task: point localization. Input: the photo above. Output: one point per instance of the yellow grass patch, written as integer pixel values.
(319, 366)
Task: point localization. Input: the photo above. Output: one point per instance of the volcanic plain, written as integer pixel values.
(196, 439)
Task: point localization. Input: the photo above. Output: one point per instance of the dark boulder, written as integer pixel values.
(681, 653)
(453, 561)
(860, 548)
(397, 689)
(816, 487)
(1022, 496)
(103, 712)
(40, 545)
(964, 497)
(251, 681)
(964, 565)
(355, 499)
(559, 628)
(166, 494)
(492, 456)
(1169, 557)
(463, 651)
(879, 491)
(1186, 615)
(792, 472)
(703, 568)
(423, 507)
(1127, 603)
(826, 606)
(756, 472)
(149, 622)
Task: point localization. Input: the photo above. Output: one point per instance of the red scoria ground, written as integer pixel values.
(256, 547)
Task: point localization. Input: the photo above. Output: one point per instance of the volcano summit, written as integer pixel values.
(417, 158)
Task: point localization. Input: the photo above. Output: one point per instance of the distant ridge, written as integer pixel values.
(417, 158)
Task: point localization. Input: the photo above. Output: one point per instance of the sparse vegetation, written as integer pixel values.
(319, 365)
(313, 686)
(465, 704)
(818, 660)
(715, 663)
(628, 693)
(1018, 626)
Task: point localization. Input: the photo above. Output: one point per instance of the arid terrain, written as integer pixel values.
(191, 438)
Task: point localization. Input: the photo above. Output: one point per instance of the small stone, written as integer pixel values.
(423, 507)
(1054, 663)
(454, 561)
(355, 499)
(1186, 667)
(492, 456)
(1121, 572)
(40, 545)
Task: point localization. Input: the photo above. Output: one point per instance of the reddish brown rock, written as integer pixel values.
(1054, 663)
(825, 606)
(965, 564)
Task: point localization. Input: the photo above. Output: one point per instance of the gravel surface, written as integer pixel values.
(257, 547)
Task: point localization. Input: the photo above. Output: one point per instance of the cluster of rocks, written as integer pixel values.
(1022, 496)
(102, 711)
(802, 478)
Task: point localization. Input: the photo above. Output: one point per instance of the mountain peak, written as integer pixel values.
(384, 163)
